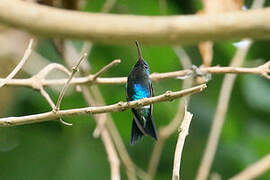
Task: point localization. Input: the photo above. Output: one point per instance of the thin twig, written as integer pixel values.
(47, 97)
(120, 106)
(263, 70)
(105, 68)
(180, 144)
(62, 93)
(254, 170)
(25, 57)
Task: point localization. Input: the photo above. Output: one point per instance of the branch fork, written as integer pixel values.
(65, 87)
(265, 70)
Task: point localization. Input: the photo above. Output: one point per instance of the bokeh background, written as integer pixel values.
(51, 150)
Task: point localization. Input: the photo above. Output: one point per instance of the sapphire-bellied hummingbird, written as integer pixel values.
(139, 86)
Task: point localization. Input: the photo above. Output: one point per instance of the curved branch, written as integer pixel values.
(121, 29)
(120, 106)
(25, 57)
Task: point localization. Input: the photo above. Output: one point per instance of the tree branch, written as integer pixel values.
(263, 70)
(120, 106)
(25, 57)
(254, 170)
(120, 29)
(183, 132)
(105, 68)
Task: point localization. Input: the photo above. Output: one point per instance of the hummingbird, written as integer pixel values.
(139, 86)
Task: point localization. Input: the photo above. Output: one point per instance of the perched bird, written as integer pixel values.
(140, 86)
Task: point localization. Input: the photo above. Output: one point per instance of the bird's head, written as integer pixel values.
(141, 63)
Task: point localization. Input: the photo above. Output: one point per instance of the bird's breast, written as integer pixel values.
(140, 92)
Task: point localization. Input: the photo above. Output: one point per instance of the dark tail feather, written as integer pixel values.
(150, 128)
(136, 133)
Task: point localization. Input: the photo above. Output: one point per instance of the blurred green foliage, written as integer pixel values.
(53, 151)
